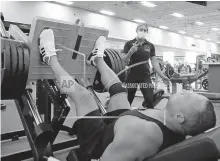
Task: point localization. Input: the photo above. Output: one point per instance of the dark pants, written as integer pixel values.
(96, 133)
(145, 85)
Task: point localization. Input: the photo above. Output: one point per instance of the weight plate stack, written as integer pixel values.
(121, 65)
(114, 61)
(15, 66)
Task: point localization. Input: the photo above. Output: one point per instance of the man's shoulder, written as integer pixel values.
(147, 134)
(144, 127)
(149, 128)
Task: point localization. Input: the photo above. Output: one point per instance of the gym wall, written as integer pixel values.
(25, 11)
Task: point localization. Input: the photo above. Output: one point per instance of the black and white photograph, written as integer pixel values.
(110, 80)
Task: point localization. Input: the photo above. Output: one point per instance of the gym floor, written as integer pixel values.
(13, 123)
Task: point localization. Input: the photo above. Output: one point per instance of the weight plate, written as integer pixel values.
(113, 60)
(18, 60)
(15, 59)
(117, 66)
(120, 59)
(26, 60)
(21, 59)
(122, 76)
(111, 64)
(21, 79)
(7, 58)
(117, 60)
(11, 59)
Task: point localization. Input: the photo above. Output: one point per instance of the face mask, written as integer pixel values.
(141, 35)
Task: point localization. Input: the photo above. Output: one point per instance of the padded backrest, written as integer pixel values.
(203, 147)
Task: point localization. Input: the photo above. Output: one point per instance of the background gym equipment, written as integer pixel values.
(214, 77)
(185, 68)
(186, 79)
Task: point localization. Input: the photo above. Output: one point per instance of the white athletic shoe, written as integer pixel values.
(98, 50)
(47, 45)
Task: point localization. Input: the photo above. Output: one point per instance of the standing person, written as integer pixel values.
(136, 51)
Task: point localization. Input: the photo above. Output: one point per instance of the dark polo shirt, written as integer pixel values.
(144, 53)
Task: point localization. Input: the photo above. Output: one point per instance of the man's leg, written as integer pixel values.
(118, 94)
(84, 102)
(111, 82)
(89, 130)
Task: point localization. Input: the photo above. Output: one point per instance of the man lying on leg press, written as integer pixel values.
(132, 135)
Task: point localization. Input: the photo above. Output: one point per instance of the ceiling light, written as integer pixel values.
(163, 27)
(182, 32)
(215, 29)
(148, 4)
(107, 12)
(139, 21)
(197, 36)
(199, 23)
(208, 39)
(177, 15)
(65, 2)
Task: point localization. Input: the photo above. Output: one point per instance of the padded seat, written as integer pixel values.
(203, 147)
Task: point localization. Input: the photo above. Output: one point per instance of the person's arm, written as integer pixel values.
(155, 63)
(129, 51)
(133, 143)
(126, 56)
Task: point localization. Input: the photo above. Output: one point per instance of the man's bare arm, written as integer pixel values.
(133, 144)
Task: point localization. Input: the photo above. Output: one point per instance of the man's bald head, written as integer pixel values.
(194, 112)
